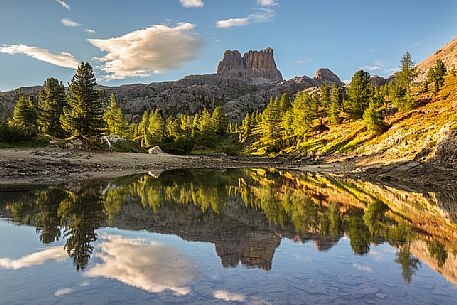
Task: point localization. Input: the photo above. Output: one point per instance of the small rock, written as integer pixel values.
(155, 150)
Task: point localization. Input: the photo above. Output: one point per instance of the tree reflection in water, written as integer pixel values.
(247, 209)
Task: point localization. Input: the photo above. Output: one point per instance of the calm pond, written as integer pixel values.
(248, 236)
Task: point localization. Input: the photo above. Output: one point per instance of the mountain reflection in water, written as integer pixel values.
(244, 213)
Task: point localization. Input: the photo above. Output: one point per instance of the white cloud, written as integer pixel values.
(228, 23)
(156, 49)
(63, 291)
(380, 67)
(62, 59)
(90, 31)
(267, 2)
(192, 3)
(51, 254)
(69, 22)
(362, 268)
(228, 297)
(150, 266)
(63, 4)
(262, 15)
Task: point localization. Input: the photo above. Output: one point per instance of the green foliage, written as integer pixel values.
(156, 128)
(50, 107)
(84, 114)
(407, 73)
(114, 119)
(220, 121)
(25, 115)
(373, 120)
(284, 103)
(436, 75)
(271, 120)
(303, 112)
(205, 124)
(360, 94)
(11, 133)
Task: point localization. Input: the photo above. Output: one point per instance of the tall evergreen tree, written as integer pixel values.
(373, 120)
(407, 74)
(220, 121)
(284, 103)
(115, 122)
(436, 75)
(50, 107)
(360, 93)
(206, 125)
(271, 120)
(303, 114)
(143, 130)
(156, 127)
(25, 115)
(84, 114)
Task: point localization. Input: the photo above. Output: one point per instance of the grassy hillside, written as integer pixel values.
(426, 133)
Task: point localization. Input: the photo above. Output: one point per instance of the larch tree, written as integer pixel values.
(360, 93)
(25, 115)
(84, 114)
(51, 102)
(220, 121)
(115, 122)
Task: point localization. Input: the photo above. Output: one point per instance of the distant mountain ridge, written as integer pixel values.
(448, 54)
(242, 84)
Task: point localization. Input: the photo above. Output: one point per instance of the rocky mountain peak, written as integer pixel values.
(256, 66)
(326, 75)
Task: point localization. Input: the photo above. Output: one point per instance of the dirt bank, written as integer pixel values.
(51, 164)
(55, 165)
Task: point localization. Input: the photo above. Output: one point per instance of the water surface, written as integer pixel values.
(229, 236)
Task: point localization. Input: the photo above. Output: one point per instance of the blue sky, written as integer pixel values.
(142, 41)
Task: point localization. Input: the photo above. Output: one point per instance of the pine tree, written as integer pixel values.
(156, 128)
(303, 114)
(325, 95)
(407, 74)
(360, 93)
(84, 114)
(143, 130)
(172, 128)
(436, 75)
(220, 121)
(284, 103)
(373, 120)
(271, 120)
(206, 126)
(245, 128)
(115, 122)
(25, 115)
(50, 107)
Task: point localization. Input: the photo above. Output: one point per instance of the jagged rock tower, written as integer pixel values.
(256, 66)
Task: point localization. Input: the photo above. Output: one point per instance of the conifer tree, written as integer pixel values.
(25, 115)
(143, 130)
(156, 127)
(360, 93)
(51, 101)
(245, 128)
(206, 126)
(303, 114)
(84, 114)
(373, 120)
(115, 122)
(436, 75)
(220, 121)
(407, 74)
(271, 120)
(172, 128)
(284, 103)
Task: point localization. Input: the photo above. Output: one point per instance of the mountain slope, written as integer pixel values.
(448, 54)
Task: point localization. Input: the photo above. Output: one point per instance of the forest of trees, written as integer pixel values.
(286, 120)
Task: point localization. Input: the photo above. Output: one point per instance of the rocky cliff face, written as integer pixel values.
(254, 66)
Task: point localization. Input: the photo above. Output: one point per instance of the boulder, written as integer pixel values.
(156, 150)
